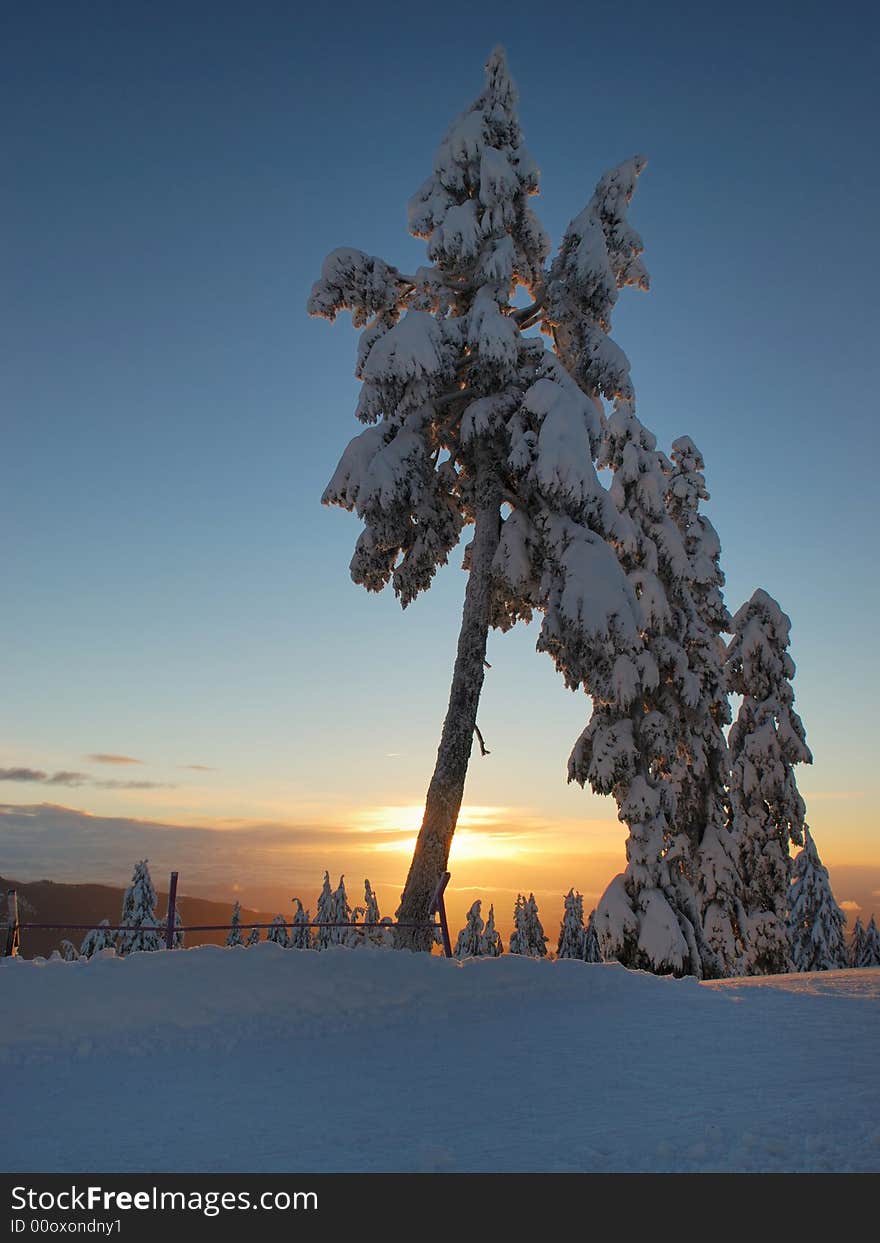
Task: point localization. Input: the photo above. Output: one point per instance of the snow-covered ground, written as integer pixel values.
(277, 1060)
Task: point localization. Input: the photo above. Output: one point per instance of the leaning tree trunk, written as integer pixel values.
(446, 790)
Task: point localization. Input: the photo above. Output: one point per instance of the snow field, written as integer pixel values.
(266, 1060)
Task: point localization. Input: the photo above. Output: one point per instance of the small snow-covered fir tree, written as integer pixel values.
(491, 945)
(857, 944)
(140, 924)
(300, 932)
(278, 932)
(571, 930)
(325, 916)
(473, 422)
(253, 937)
(528, 934)
(519, 941)
(870, 953)
(342, 914)
(100, 938)
(700, 772)
(815, 922)
(592, 948)
(69, 951)
(470, 939)
(234, 937)
(766, 741)
(375, 932)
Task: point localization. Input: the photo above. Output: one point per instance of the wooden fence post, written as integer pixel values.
(172, 907)
(438, 905)
(10, 935)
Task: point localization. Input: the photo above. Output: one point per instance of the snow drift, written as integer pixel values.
(264, 1060)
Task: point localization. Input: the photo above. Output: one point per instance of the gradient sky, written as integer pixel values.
(175, 593)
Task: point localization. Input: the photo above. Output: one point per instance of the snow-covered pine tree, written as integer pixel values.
(537, 941)
(278, 932)
(69, 951)
(100, 938)
(474, 422)
(300, 932)
(140, 924)
(870, 956)
(491, 945)
(649, 916)
(519, 940)
(235, 937)
(324, 916)
(528, 934)
(766, 740)
(571, 930)
(700, 773)
(253, 937)
(375, 935)
(470, 939)
(592, 948)
(815, 921)
(857, 944)
(342, 914)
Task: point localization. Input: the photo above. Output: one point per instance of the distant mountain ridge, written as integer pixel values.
(53, 902)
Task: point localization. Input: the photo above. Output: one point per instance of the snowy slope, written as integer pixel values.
(276, 1060)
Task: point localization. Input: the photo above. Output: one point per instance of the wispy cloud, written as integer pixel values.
(65, 778)
(199, 768)
(107, 757)
(37, 776)
(850, 905)
(73, 780)
(132, 785)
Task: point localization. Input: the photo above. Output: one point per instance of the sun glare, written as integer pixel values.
(483, 832)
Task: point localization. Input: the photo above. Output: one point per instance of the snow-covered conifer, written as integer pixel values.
(69, 952)
(325, 916)
(592, 948)
(857, 944)
(536, 938)
(870, 955)
(235, 937)
(491, 945)
(649, 917)
(766, 741)
(528, 934)
(470, 939)
(815, 921)
(278, 932)
(342, 914)
(100, 938)
(571, 930)
(471, 421)
(300, 932)
(700, 772)
(140, 924)
(374, 933)
(519, 937)
(253, 937)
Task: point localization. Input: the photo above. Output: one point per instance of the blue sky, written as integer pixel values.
(174, 176)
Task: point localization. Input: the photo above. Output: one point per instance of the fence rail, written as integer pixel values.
(12, 928)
